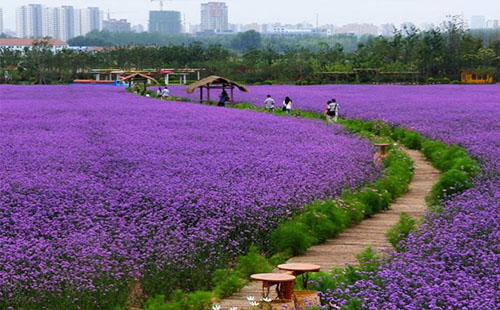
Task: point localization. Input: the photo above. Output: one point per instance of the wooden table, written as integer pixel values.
(382, 147)
(284, 284)
(297, 269)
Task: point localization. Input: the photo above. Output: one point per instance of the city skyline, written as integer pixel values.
(330, 12)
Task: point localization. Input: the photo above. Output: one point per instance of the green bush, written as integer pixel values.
(451, 182)
(412, 140)
(252, 263)
(292, 238)
(198, 300)
(227, 282)
(401, 230)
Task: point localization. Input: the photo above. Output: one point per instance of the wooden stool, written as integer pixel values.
(297, 269)
(383, 149)
(284, 284)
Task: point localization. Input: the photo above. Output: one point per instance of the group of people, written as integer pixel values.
(285, 107)
(163, 93)
(331, 112)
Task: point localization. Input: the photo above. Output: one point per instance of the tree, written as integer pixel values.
(247, 40)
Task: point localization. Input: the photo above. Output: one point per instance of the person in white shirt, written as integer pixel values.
(332, 111)
(287, 105)
(165, 93)
(269, 103)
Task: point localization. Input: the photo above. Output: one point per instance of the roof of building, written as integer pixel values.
(29, 42)
(213, 79)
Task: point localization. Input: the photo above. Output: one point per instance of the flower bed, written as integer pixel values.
(101, 187)
(453, 262)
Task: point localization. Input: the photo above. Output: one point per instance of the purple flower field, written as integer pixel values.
(454, 261)
(97, 183)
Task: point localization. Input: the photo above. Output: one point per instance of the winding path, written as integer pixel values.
(342, 250)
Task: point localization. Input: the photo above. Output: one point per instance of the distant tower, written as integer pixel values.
(166, 22)
(1, 21)
(29, 21)
(214, 16)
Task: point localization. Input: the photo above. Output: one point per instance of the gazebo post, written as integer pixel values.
(167, 79)
(208, 92)
(201, 94)
(232, 94)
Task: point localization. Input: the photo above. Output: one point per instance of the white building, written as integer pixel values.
(66, 22)
(21, 44)
(285, 31)
(387, 30)
(1, 21)
(214, 16)
(90, 19)
(493, 24)
(29, 21)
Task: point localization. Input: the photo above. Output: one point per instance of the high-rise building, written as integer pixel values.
(167, 22)
(114, 25)
(90, 20)
(493, 24)
(387, 30)
(477, 22)
(53, 23)
(214, 16)
(1, 21)
(29, 21)
(70, 25)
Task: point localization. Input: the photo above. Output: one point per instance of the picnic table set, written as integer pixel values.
(286, 296)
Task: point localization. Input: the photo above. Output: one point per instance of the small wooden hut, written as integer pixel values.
(138, 78)
(215, 82)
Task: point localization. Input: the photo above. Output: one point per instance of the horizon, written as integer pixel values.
(296, 13)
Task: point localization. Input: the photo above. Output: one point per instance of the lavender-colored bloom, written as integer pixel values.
(454, 260)
(96, 182)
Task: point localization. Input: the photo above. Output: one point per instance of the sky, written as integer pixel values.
(337, 12)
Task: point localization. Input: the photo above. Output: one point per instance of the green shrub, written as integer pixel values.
(252, 263)
(227, 282)
(372, 200)
(318, 224)
(198, 300)
(451, 182)
(401, 230)
(412, 140)
(291, 238)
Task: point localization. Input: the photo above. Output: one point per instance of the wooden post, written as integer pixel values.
(201, 94)
(198, 75)
(208, 92)
(167, 79)
(232, 94)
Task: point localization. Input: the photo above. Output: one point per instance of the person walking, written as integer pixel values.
(287, 105)
(332, 111)
(269, 103)
(223, 98)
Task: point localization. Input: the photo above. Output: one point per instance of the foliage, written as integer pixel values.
(179, 300)
(226, 283)
(438, 55)
(251, 263)
(401, 230)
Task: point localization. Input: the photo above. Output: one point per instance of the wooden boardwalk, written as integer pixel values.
(342, 250)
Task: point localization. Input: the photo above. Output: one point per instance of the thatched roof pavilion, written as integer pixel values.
(139, 78)
(215, 82)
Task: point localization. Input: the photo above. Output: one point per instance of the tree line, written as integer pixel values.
(437, 55)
